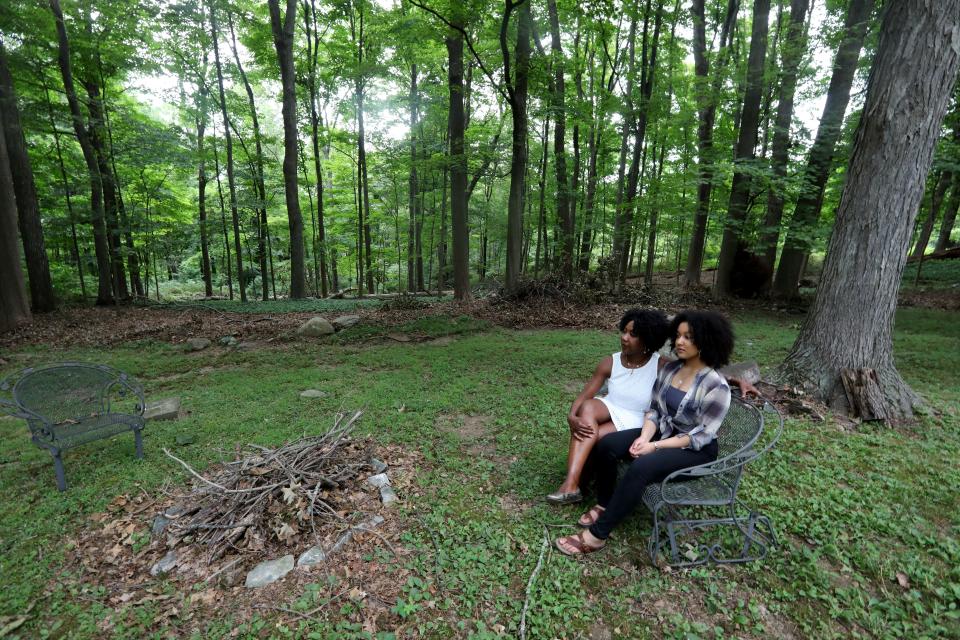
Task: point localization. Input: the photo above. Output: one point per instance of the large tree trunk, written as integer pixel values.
(629, 118)
(850, 324)
(458, 168)
(104, 285)
(746, 143)
(283, 41)
(706, 96)
(792, 50)
(564, 199)
(796, 241)
(14, 307)
(31, 233)
(517, 90)
(231, 183)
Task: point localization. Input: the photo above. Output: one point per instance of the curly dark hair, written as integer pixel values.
(651, 326)
(712, 334)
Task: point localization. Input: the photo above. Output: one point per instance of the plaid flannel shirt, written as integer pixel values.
(700, 412)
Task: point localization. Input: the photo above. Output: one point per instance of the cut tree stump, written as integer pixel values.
(863, 393)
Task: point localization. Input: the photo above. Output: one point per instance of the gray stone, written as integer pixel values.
(379, 466)
(313, 555)
(184, 439)
(269, 571)
(315, 327)
(166, 409)
(343, 322)
(197, 344)
(747, 371)
(387, 495)
(229, 341)
(341, 541)
(379, 480)
(159, 524)
(372, 523)
(165, 564)
(313, 393)
(248, 345)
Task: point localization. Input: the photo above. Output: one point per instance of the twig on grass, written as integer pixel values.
(533, 576)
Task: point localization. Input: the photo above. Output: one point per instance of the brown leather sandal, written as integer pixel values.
(578, 543)
(591, 516)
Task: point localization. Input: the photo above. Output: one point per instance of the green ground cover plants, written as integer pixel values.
(867, 518)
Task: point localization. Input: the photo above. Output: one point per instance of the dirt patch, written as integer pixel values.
(116, 552)
(468, 428)
(946, 299)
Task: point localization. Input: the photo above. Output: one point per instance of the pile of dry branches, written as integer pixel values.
(269, 493)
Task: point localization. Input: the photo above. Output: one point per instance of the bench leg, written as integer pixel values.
(138, 439)
(58, 468)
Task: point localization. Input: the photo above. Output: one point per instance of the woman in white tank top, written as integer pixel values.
(629, 375)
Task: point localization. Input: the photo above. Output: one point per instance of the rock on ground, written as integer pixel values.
(166, 409)
(269, 571)
(312, 393)
(315, 327)
(343, 322)
(197, 344)
(165, 564)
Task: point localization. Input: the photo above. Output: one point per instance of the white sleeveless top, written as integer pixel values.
(629, 391)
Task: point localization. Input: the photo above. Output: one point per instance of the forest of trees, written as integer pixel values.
(313, 146)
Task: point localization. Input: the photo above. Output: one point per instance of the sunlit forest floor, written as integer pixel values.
(471, 417)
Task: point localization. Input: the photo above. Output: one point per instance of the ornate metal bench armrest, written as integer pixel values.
(124, 383)
(14, 410)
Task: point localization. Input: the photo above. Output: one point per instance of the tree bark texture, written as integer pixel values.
(31, 234)
(283, 41)
(104, 285)
(850, 324)
(14, 307)
(413, 186)
(744, 154)
(313, 51)
(797, 240)
(458, 168)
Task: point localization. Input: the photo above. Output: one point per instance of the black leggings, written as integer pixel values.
(619, 500)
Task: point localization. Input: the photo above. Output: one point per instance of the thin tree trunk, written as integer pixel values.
(66, 191)
(950, 215)
(201, 120)
(745, 156)
(796, 241)
(936, 201)
(414, 187)
(792, 50)
(517, 91)
(104, 288)
(215, 34)
(223, 218)
(283, 41)
(563, 197)
(707, 97)
(850, 323)
(313, 52)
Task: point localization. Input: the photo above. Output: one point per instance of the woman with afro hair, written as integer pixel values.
(689, 401)
(629, 375)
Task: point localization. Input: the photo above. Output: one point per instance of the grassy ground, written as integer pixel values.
(867, 520)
